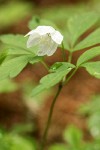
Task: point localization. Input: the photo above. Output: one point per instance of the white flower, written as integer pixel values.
(47, 39)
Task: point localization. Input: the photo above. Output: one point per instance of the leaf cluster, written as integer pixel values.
(82, 33)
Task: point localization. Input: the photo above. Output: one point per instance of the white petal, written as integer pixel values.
(52, 49)
(42, 30)
(57, 37)
(33, 40)
(44, 45)
(42, 50)
(48, 47)
(29, 33)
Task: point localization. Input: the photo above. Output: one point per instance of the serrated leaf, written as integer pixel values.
(92, 39)
(53, 78)
(17, 43)
(88, 55)
(57, 67)
(79, 24)
(13, 67)
(17, 51)
(15, 40)
(93, 68)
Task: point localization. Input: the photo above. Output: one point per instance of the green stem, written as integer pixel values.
(69, 61)
(52, 108)
(63, 52)
(49, 118)
(64, 81)
(64, 58)
(45, 65)
(70, 57)
(67, 80)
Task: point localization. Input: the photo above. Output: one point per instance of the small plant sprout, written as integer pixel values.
(47, 39)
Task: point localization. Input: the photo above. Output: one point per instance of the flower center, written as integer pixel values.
(46, 39)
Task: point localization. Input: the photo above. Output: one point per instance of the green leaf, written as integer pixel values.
(38, 89)
(14, 40)
(59, 65)
(93, 68)
(37, 21)
(53, 78)
(18, 51)
(88, 55)
(58, 147)
(55, 66)
(13, 67)
(2, 57)
(79, 24)
(14, 142)
(91, 107)
(17, 44)
(7, 85)
(73, 136)
(94, 124)
(91, 40)
(66, 40)
(36, 59)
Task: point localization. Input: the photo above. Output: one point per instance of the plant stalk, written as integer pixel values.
(45, 65)
(49, 118)
(63, 53)
(70, 57)
(52, 108)
(44, 138)
(67, 80)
